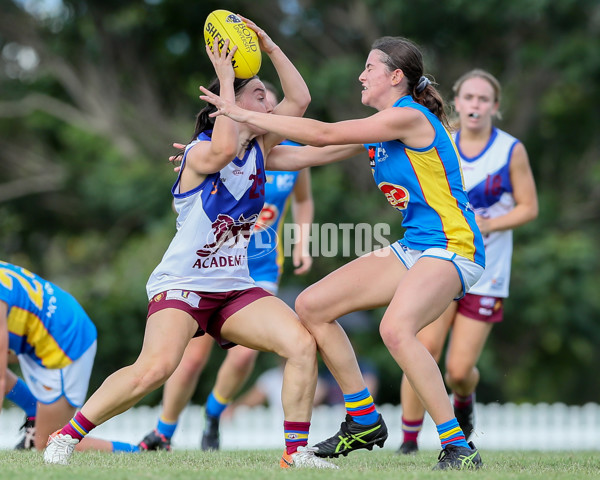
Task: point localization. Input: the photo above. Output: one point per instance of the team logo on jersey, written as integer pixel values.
(267, 217)
(265, 236)
(397, 196)
(158, 298)
(226, 232)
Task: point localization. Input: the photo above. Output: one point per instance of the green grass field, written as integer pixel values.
(263, 464)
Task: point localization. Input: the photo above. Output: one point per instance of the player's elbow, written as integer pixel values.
(223, 152)
(321, 139)
(304, 101)
(534, 211)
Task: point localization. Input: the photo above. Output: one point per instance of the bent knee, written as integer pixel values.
(394, 337)
(150, 377)
(307, 306)
(301, 345)
(458, 374)
(241, 358)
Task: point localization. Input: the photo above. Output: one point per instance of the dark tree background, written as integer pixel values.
(93, 93)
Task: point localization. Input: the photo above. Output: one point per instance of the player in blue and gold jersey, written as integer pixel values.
(55, 343)
(501, 188)
(416, 165)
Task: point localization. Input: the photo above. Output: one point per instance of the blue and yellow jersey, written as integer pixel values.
(265, 251)
(426, 186)
(44, 321)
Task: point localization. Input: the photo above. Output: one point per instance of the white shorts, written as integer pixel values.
(49, 384)
(468, 271)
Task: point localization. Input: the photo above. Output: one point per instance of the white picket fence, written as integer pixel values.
(498, 427)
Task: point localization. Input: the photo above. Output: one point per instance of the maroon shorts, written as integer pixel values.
(484, 309)
(209, 309)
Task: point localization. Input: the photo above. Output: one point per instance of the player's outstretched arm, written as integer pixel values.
(287, 157)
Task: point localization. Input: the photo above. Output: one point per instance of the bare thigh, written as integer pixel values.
(267, 324)
(422, 295)
(368, 282)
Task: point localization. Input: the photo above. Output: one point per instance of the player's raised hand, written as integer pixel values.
(221, 60)
(224, 107)
(267, 45)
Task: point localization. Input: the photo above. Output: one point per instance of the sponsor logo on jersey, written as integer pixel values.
(285, 181)
(487, 302)
(372, 152)
(382, 155)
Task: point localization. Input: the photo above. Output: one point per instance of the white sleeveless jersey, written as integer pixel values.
(487, 180)
(214, 224)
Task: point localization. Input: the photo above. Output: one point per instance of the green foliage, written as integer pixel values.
(86, 130)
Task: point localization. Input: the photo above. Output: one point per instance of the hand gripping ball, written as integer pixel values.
(221, 25)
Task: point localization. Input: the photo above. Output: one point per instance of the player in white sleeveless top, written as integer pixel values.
(214, 223)
(502, 191)
(202, 285)
(488, 180)
(265, 271)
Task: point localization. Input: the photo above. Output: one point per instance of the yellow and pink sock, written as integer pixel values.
(78, 427)
(411, 429)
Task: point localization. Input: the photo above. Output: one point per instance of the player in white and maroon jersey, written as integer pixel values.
(202, 285)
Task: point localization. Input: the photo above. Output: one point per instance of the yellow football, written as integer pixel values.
(221, 25)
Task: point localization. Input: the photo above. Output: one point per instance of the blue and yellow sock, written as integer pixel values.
(216, 404)
(22, 397)
(122, 447)
(451, 434)
(296, 435)
(361, 407)
(166, 428)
